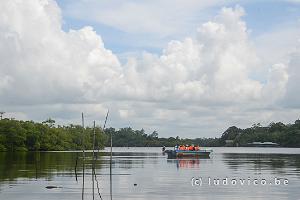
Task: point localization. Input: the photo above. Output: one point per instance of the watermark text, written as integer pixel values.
(212, 181)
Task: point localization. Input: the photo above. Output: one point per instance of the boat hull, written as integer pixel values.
(182, 153)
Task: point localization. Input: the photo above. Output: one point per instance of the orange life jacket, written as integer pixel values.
(182, 148)
(191, 148)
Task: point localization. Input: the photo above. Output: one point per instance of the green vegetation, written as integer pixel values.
(286, 135)
(27, 135)
(138, 138)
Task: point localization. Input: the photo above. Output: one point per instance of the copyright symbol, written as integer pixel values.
(196, 181)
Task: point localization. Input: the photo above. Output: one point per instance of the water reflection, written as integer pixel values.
(147, 174)
(186, 163)
(194, 163)
(278, 163)
(34, 165)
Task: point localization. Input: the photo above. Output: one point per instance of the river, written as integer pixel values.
(145, 173)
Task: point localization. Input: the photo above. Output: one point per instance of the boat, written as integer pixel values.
(201, 153)
(262, 144)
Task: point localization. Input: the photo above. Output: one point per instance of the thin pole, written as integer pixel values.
(93, 165)
(105, 120)
(96, 157)
(83, 154)
(110, 163)
(36, 170)
(110, 166)
(76, 163)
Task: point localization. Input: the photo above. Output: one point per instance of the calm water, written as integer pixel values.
(26, 175)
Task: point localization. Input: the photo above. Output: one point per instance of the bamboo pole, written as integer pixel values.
(96, 157)
(83, 154)
(110, 166)
(93, 164)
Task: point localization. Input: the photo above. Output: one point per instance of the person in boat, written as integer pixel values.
(176, 147)
(163, 148)
(197, 148)
(181, 147)
(191, 148)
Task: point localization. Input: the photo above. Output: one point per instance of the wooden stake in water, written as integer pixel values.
(93, 164)
(95, 176)
(83, 155)
(76, 163)
(110, 166)
(110, 163)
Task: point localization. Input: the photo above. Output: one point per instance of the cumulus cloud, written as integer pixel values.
(195, 82)
(40, 63)
(214, 68)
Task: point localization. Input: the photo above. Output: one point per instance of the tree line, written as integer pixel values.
(18, 135)
(127, 137)
(286, 135)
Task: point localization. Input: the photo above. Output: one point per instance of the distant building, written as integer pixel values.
(262, 144)
(229, 143)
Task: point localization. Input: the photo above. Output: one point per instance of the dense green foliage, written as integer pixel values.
(27, 135)
(138, 138)
(286, 135)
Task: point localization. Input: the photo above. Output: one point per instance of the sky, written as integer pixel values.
(183, 68)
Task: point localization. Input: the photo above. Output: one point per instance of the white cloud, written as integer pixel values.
(276, 85)
(213, 68)
(203, 83)
(277, 45)
(161, 17)
(292, 97)
(42, 64)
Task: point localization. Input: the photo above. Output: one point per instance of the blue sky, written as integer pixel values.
(261, 17)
